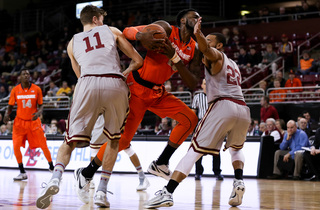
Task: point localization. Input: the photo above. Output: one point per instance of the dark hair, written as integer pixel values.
(182, 13)
(252, 122)
(88, 12)
(305, 112)
(220, 38)
(23, 69)
(266, 98)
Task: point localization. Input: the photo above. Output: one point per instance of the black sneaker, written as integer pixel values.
(220, 177)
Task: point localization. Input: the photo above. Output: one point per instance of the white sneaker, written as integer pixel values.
(237, 192)
(143, 185)
(163, 199)
(160, 170)
(45, 196)
(100, 199)
(21, 176)
(81, 185)
(92, 185)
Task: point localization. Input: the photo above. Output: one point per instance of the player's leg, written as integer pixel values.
(164, 198)
(174, 108)
(143, 181)
(18, 139)
(235, 141)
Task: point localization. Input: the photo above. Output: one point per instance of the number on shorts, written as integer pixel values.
(28, 104)
(99, 44)
(233, 78)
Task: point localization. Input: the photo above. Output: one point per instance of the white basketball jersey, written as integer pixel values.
(96, 51)
(226, 83)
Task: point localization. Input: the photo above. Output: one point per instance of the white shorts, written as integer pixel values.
(94, 96)
(223, 119)
(98, 138)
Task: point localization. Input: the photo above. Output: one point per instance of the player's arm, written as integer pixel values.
(126, 47)
(74, 63)
(210, 53)
(38, 113)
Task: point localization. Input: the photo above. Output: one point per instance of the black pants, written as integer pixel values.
(215, 166)
(313, 162)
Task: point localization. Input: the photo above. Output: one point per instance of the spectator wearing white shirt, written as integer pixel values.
(272, 130)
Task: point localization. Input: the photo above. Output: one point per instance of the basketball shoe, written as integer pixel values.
(100, 199)
(163, 199)
(81, 185)
(160, 170)
(21, 176)
(144, 184)
(45, 196)
(237, 192)
(92, 185)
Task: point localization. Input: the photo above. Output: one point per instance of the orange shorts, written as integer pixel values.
(28, 129)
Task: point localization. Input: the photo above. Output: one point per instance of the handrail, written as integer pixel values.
(267, 18)
(306, 93)
(261, 70)
(303, 43)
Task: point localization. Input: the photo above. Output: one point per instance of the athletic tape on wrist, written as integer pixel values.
(175, 58)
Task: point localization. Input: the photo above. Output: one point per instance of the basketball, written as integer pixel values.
(160, 32)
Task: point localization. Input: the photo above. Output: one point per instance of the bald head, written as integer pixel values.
(291, 127)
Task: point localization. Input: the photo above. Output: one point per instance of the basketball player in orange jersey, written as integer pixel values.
(27, 125)
(148, 92)
(227, 116)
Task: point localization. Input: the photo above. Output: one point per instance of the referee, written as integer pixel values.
(200, 106)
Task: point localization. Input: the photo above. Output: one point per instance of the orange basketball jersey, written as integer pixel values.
(157, 68)
(27, 100)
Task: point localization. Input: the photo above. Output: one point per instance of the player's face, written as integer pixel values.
(25, 76)
(212, 41)
(191, 19)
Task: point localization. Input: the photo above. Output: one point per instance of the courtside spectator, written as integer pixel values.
(280, 124)
(311, 122)
(252, 131)
(293, 82)
(267, 110)
(273, 131)
(262, 128)
(312, 157)
(302, 123)
(306, 64)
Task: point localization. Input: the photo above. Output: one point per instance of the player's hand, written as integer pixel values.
(167, 49)
(148, 41)
(286, 157)
(313, 151)
(197, 26)
(35, 115)
(6, 118)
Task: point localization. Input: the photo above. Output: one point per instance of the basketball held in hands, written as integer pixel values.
(160, 33)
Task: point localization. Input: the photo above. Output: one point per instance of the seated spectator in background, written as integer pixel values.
(262, 128)
(9, 127)
(254, 58)
(280, 124)
(3, 92)
(41, 65)
(267, 110)
(293, 82)
(294, 139)
(168, 86)
(306, 64)
(180, 88)
(4, 83)
(238, 36)
(1, 119)
(227, 35)
(268, 57)
(61, 126)
(3, 130)
(263, 86)
(252, 130)
(173, 123)
(277, 95)
(53, 89)
(43, 79)
(312, 158)
(35, 76)
(302, 123)
(64, 88)
(243, 57)
(312, 124)
(52, 129)
(31, 62)
(272, 130)
(279, 76)
(286, 51)
(164, 127)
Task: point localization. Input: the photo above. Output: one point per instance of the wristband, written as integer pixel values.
(175, 59)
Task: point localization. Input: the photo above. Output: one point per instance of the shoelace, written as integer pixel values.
(110, 192)
(159, 192)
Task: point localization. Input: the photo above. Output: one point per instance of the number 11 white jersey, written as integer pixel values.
(227, 83)
(96, 51)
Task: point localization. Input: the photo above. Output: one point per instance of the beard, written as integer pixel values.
(189, 26)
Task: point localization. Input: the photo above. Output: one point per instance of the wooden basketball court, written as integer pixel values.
(198, 195)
